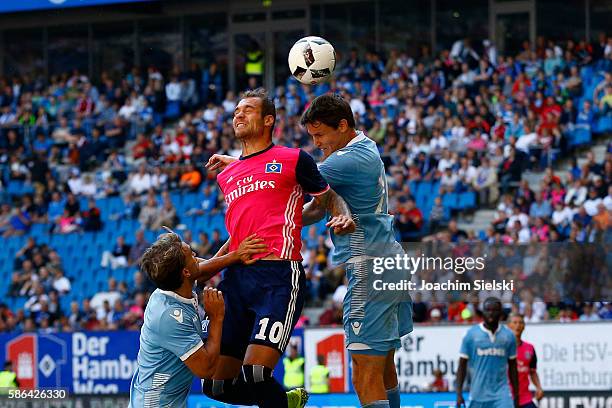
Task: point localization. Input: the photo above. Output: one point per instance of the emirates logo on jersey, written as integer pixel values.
(246, 186)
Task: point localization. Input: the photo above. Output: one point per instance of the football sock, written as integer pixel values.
(267, 392)
(231, 391)
(393, 396)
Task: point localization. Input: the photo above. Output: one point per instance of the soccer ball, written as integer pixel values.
(312, 60)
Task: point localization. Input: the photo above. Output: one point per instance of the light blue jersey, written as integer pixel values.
(374, 321)
(487, 354)
(357, 174)
(171, 333)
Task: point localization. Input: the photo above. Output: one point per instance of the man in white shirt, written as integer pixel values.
(607, 201)
(173, 90)
(61, 283)
(591, 204)
(517, 215)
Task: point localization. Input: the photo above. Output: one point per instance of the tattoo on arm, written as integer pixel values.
(332, 203)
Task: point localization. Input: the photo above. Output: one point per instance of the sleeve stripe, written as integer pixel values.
(193, 350)
(464, 356)
(512, 357)
(320, 192)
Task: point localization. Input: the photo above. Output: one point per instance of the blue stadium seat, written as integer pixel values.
(604, 124)
(467, 200)
(580, 136)
(449, 200)
(173, 110)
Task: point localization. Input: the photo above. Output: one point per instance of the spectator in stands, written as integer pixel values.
(191, 178)
(19, 223)
(76, 316)
(216, 243)
(439, 384)
(92, 220)
(117, 257)
(138, 248)
(60, 283)
(166, 216)
(110, 296)
(149, 214)
(140, 182)
(410, 219)
(485, 183)
(589, 314)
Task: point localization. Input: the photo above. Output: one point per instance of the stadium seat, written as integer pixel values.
(449, 200)
(467, 200)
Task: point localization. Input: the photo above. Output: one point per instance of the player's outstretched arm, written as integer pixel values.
(249, 247)
(513, 373)
(312, 213)
(341, 220)
(204, 361)
(219, 162)
(461, 371)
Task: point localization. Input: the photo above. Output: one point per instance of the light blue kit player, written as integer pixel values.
(374, 321)
(172, 344)
(488, 351)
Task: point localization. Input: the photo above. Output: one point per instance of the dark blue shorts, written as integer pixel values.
(263, 302)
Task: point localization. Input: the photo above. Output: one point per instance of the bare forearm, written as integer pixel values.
(514, 379)
(223, 250)
(213, 344)
(333, 204)
(461, 375)
(312, 213)
(211, 267)
(535, 379)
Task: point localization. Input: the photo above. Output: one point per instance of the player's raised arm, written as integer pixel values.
(325, 200)
(204, 361)
(249, 247)
(341, 220)
(219, 162)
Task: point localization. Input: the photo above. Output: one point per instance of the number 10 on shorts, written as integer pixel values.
(275, 334)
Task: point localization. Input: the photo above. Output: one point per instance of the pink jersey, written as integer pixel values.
(264, 193)
(525, 361)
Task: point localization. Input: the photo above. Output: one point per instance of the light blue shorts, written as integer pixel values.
(374, 321)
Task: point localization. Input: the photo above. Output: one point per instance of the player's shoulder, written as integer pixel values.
(285, 150)
(527, 346)
(473, 331)
(506, 331)
(169, 309)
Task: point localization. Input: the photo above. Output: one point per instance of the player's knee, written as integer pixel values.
(254, 374)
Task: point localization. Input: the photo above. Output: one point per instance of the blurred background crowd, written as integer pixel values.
(511, 151)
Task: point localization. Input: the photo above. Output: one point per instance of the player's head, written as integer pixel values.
(492, 311)
(8, 365)
(516, 323)
(254, 115)
(169, 261)
(329, 120)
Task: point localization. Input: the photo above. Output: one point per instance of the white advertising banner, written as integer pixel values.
(574, 356)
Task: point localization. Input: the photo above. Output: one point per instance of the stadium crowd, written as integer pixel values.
(465, 120)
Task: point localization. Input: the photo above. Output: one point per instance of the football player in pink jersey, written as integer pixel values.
(264, 191)
(526, 363)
